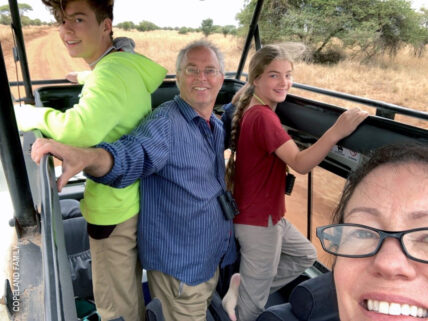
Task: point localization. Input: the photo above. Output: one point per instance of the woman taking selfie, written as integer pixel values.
(381, 238)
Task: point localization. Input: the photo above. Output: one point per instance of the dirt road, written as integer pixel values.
(47, 58)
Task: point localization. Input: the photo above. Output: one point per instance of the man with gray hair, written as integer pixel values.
(177, 152)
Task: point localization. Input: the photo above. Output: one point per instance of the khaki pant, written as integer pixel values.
(181, 301)
(117, 274)
(271, 257)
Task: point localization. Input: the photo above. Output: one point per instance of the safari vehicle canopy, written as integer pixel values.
(42, 287)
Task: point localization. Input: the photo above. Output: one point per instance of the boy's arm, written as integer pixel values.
(78, 77)
(107, 99)
(102, 104)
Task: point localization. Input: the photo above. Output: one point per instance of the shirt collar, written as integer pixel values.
(188, 112)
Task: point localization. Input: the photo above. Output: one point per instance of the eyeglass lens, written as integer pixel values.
(359, 241)
(193, 71)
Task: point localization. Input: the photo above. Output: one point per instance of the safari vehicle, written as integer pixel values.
(42, 286)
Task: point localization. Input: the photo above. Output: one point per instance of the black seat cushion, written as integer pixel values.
(315, 299)
(281, 312)
(312, 300)
(77, 247)
(154, 310)
(216, 309)
(70, 208)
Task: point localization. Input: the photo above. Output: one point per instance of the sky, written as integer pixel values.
(164, 13)
(170, 13)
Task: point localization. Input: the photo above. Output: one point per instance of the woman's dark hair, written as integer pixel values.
(391, 154)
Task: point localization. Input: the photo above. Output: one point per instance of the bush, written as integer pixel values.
(183, 31)
(330, 56)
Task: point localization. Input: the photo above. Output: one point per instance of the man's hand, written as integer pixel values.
(72, 158)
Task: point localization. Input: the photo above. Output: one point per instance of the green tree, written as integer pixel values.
(228, 30)
(5, 19)
(420, 39)
(373, 26)
(147, 26)
(183, 30)
(22, 7)
(207, 27)
(126, 25)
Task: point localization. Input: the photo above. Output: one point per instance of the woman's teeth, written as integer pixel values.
(396, 309)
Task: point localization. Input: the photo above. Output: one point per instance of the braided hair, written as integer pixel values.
(260, 60)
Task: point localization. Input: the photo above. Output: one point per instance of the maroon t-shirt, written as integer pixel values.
(259, 173)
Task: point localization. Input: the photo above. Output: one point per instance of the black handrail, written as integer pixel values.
(12, 158)
(17, 28)
(251, 33)
(228, 74)
(58, 288)
(393, 109)
(365, 101)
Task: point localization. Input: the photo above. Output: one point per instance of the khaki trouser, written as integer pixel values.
(270, 258)
(179, 300)
(117, 274)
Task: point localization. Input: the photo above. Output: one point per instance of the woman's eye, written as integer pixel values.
(363, 234)
(78, 20)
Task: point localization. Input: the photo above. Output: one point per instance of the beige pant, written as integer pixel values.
(179, 300)
(271, 257)
(117, 273)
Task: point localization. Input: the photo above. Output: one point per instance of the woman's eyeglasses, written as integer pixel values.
(355, 240)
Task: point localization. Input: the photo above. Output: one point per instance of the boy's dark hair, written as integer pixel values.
(391, 154)
(103, 8)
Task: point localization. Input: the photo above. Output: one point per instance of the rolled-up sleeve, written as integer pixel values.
(139, 154)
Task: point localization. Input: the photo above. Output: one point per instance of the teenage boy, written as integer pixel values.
(114, 99)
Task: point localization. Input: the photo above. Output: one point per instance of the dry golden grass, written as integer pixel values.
(401, 80)
(163, 46)
(6, 37)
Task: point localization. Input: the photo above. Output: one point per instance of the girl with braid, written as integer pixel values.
(273, 251)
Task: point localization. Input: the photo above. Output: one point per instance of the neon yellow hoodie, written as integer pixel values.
(114, 99)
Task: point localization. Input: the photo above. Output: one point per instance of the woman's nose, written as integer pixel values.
(391, 262)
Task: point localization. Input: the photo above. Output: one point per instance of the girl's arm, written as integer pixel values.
(303, 161)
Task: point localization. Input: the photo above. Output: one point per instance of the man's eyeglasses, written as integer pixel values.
(208, 72)
(355, 240)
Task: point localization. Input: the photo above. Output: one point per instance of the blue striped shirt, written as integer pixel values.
(181, 231)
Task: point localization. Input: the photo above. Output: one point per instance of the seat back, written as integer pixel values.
(77, 247)
(312, 300)
(154, 310)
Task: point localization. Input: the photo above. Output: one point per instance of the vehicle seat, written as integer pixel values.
(216, 309)
(312, 300)
(154, 312)
(77, 247)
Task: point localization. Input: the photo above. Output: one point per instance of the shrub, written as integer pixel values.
(330, 56)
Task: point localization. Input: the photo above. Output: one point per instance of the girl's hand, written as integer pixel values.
(348, 122)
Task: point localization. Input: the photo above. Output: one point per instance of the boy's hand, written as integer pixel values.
(72, 77)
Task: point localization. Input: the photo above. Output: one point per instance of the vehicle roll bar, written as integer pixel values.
(12, 158)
